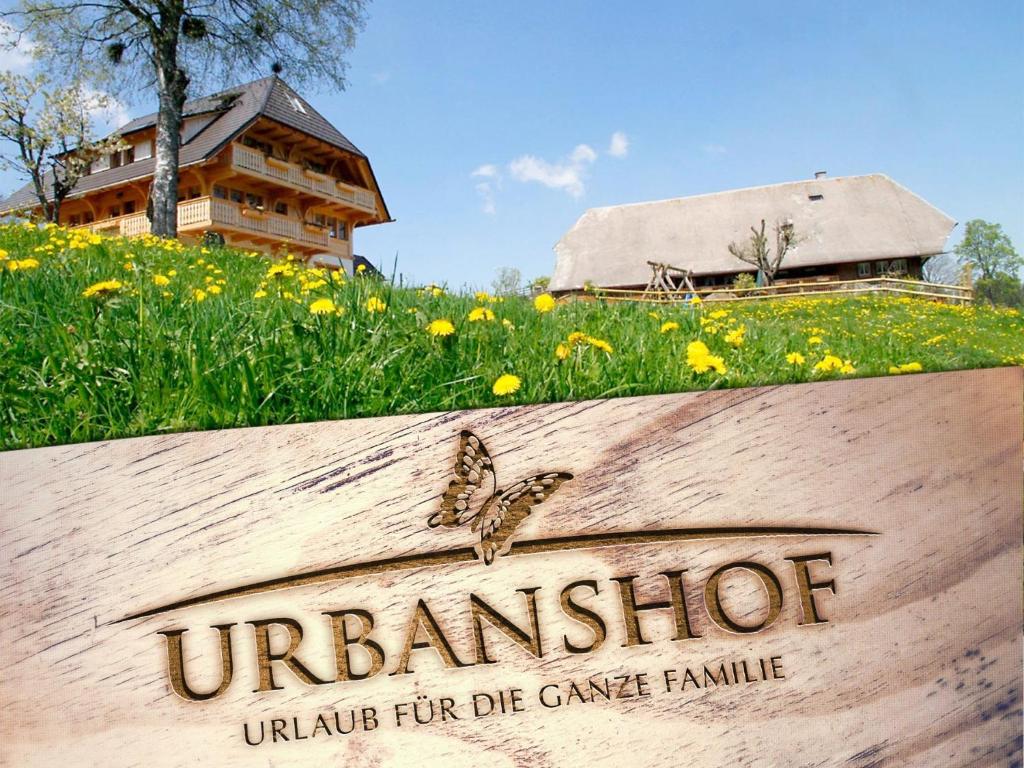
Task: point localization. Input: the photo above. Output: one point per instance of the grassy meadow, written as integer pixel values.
(108, 337)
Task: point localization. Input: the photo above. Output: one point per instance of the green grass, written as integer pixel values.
(148, 358)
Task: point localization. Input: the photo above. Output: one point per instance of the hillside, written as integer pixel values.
(103, 338)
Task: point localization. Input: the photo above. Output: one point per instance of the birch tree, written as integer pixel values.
(168, 48)
(49, 135)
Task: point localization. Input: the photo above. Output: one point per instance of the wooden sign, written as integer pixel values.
(819, 575)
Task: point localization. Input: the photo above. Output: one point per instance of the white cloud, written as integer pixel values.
(619, 145)
(486, 192)
(487, 170)
(567, 174)
(16, 52)
(109, 115)
(714, 149)
(486, 189)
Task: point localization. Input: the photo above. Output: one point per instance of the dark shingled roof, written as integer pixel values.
(238, 107)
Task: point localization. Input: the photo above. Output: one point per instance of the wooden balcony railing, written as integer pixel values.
(213, 213)
(253, 161)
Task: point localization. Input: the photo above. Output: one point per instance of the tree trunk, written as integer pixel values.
(172, 84)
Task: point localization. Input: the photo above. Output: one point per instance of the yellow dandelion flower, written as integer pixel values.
(199, 295)
(214, 289)
(735, 336)
(562, 351)
(795, 358)
(129, 266)
(373, 304)
(506, 384)
(161, 279)
(508, 324)
(280, 270)
(480, 314)
(322, 307)
(669, 326)
(544, 303)
(829, 363)
(102, 288)
(906, 368)
(259, 294)
(696, 300)
(440, 327)
(172, 272)
(700, 359)
(360, 269)
(577, 338)
(815, 340)
(3, 254)
(601, 344)
(483, 297)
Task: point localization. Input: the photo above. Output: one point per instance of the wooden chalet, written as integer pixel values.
(258, 166)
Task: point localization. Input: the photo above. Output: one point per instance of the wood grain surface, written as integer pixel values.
(872, 526)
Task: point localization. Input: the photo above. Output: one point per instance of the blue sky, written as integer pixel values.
(715, 96)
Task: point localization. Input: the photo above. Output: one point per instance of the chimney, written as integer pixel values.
(820, 174)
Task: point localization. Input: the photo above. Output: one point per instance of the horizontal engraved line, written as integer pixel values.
(467, 554)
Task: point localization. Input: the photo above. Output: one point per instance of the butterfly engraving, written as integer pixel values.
(497, 514)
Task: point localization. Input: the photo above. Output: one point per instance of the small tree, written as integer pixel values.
(507, 282)
(756, 251)
(987, 248)
(51, 133)
(540, 284)
(164, 46)
(943, 268)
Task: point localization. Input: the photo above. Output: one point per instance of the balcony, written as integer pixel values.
(202, 213)
(254, 162)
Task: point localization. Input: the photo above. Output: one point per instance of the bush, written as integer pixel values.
(743, 283)
(1002, 290)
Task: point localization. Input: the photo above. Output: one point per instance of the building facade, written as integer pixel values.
(259, 167)
(846, 228)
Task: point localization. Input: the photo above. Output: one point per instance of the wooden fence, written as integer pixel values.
(880, 285)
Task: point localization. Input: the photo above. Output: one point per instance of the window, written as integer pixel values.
(129, 207)
(236, 196)
(87, 218)
(115, 160)
(114, 212)
(815, 198)
(262, 146)
(281, 208)
(220, 192)
(100, 164)
(193, 193)
(128, 156)
(74, 220)
(143, 149)
(253, 201)
(864, 269)
(316, 167)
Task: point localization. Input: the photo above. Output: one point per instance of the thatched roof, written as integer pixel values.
(838, 220)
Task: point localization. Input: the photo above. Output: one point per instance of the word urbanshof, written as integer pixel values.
(353, 628)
